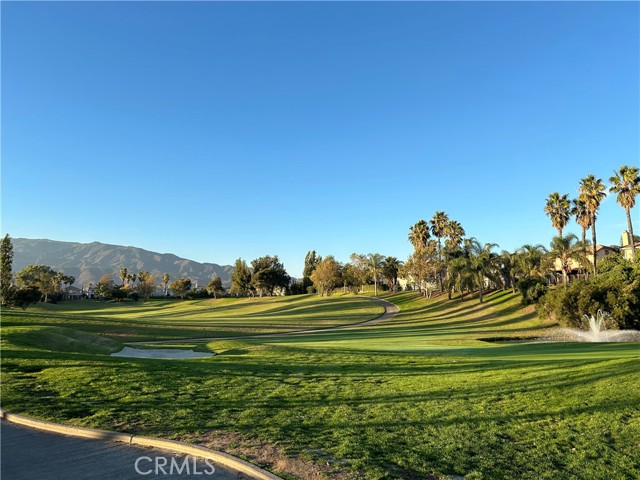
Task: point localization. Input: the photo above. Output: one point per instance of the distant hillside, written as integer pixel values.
(87, 262)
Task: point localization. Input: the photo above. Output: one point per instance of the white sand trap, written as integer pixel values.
(159, 353)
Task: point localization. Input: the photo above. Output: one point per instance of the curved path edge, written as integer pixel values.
(220, 457)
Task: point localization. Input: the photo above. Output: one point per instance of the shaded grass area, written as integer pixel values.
(419, 397)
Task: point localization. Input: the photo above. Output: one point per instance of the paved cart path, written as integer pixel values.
(29, 454)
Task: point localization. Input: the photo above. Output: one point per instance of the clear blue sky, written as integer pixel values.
(224, 130)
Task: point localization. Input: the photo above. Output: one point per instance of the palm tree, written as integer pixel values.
(439, 224)
(530, 260)
(482, 262)
(592, 192)
(374, 262)
(461, 276)
(579, 210)
(509, 269)
(455, 232)
(123, 275)
(390, 268)
(626, 183)
(419, 235)
(557, 208)
(567, 249)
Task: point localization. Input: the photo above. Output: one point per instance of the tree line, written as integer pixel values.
(444, 260)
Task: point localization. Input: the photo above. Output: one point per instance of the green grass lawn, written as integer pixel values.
(421, 396)
(170, 319)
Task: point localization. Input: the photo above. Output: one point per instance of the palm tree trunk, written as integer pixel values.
(584, 248)
(593, 237)
(633, 242)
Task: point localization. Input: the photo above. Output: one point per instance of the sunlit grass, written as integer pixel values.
(419, 397)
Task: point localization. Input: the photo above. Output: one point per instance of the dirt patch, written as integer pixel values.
(273, 458)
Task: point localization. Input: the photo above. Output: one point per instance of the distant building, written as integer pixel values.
(626, 249)
(72, 293)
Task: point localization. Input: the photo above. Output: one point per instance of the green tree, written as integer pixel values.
(374, 264)
(531, 260)
(326, 276)
(592, 192)
(241, 279)
(390, 269)
(558, 209)
(43, 277)
(422, 268)
(311, 262)
(350, 279)
(360, 268)
(123, 274)
(566, 249)
(6, 274)
(508, 265)
(626, 183)
(104, 287)
(146, 284)
(23, 297)
(214, 287)
(419, 235)
(180, 286)
(482, 263)
(268, 274)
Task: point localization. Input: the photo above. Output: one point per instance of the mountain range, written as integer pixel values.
(87, 262)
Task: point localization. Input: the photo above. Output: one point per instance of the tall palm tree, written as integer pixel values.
(374, 262)
(626, 183)
(557, 208)
(567, 249)
(419, 235)
(579, 210)
(123, 274)
(592, 192)
(455, 232)
(439, 224)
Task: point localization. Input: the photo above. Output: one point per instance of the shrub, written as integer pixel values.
(531, 289)
(23, 297)
(616, 291)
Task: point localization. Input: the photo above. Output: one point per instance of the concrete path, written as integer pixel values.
(390, 311)
(29, 454)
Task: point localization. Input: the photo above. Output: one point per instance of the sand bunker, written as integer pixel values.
(159, 353)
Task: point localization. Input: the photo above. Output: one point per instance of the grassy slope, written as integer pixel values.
(162, 319)
(418, 397)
